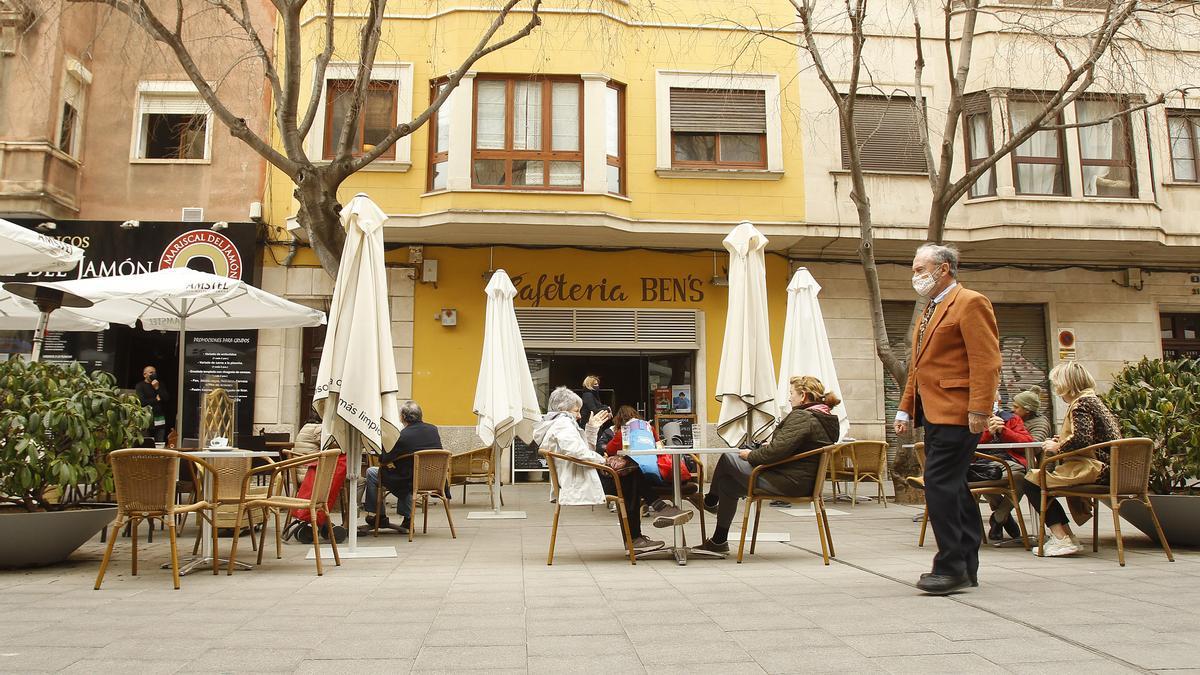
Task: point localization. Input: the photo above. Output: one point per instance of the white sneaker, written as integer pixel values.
(1075, 541)
(1056, 548)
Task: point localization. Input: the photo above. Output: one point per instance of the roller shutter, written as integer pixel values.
(729, 111)
(889, 134)
(598, 328)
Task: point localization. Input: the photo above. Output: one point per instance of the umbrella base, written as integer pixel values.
(361, 552)
(496, 515)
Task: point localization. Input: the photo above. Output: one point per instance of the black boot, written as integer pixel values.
(996, 530)
(1010, 526)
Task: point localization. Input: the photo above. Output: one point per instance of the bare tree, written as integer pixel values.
(175, 26)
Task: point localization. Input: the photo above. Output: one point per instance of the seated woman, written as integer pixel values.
(1088, 421)
(559, 432)
(810, 425)
(665, 513)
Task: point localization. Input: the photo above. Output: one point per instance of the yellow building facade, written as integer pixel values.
(613, 204)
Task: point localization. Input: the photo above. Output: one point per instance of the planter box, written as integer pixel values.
(1179, 516)
(35, 539)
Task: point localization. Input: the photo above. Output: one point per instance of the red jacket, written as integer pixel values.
(1013, 431)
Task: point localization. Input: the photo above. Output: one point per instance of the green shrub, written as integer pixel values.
(57, 424)
(1161, 400)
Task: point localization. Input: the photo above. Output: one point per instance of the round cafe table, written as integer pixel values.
(676, 550)
(204, 560)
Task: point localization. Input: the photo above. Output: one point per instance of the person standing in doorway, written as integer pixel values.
(151, 395)
(591, 401)
(953, 374)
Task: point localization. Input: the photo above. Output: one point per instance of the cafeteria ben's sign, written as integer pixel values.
(535, 290)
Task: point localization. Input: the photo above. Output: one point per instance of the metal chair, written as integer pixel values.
(431, 470)
(145, 484)
(755, 499)
(619, 499)
(1128, 479)
(315, 504)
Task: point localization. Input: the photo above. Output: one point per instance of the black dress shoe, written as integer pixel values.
(941, 584)
(995, 531)
(972, 576)
(1010, 526)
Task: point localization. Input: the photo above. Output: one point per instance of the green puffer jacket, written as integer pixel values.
(802, 430)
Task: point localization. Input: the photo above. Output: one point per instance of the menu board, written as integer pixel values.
(676, 430)
(227, 360)
(87, 348)
(525, 458)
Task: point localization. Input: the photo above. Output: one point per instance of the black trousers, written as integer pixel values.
(635, 489)
(953, 512)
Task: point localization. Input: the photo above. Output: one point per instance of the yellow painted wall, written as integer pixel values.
(626, 43)
(446, 367)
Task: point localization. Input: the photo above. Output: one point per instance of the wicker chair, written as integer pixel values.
(755, 499)
(315, 504)
(857, 462)
(1005, 487)
(231, 471)
(1128, 479)
(474, 467)
(431, 470)
(145, 482)
(619, 499)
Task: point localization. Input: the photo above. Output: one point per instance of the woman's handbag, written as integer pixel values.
(621, 464)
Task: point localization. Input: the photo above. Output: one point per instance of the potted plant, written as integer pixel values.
(1161, 400)
(57, 424)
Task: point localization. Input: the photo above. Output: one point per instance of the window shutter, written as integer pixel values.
(174, 104)
(977, 102)
(605, 328)
(729, 111)
(889, 134)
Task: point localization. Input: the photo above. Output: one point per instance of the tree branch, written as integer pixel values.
(319, 70)
(368, 48)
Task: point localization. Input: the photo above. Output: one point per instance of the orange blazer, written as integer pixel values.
(958, 368)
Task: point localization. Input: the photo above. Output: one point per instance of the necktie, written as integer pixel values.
(925, 317)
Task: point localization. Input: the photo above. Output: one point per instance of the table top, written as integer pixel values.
(232, 452)
(664, 451)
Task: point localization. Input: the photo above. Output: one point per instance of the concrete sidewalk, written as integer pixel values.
(487, 601)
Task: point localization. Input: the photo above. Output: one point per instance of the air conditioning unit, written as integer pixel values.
(193, 214)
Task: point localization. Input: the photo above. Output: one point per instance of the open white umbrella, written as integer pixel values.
(17, 313)
(23, 250)
(505, 399)
(182, 299)
(356, 381)
(806, 344)
(746, 380)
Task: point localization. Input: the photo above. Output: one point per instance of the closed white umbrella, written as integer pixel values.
(17, 313)
(356, 381)
(746, 380)
(182, 299)
(23, 250)
(505, 399)
(806, 344)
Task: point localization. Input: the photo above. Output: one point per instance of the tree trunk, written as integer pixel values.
(320, 216)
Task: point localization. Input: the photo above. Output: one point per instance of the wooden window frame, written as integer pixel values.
(546, 154)
(1177, 342)
(717, 162)
(619, 160)
(1130, 163)
(435, 157)
(971, 161)
(1193, 124)
(1018, 159)
(334, 87)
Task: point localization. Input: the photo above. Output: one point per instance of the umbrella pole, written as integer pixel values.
(39, 335)
(496, 513)
(498, 454)
(353, 467)
(181, 376)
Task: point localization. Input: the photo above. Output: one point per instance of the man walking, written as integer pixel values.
(952, 378)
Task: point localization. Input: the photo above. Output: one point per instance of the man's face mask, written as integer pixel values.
(924, 282)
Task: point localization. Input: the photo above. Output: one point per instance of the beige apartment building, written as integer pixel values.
(105, 143)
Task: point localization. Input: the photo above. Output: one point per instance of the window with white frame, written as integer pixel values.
(173, 124)
(386, 104)
(70, 120)
(717, 125)
(1183, 127)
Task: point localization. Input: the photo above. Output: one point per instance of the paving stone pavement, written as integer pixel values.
(488, 601)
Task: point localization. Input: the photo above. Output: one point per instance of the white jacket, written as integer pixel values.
(558, 432)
